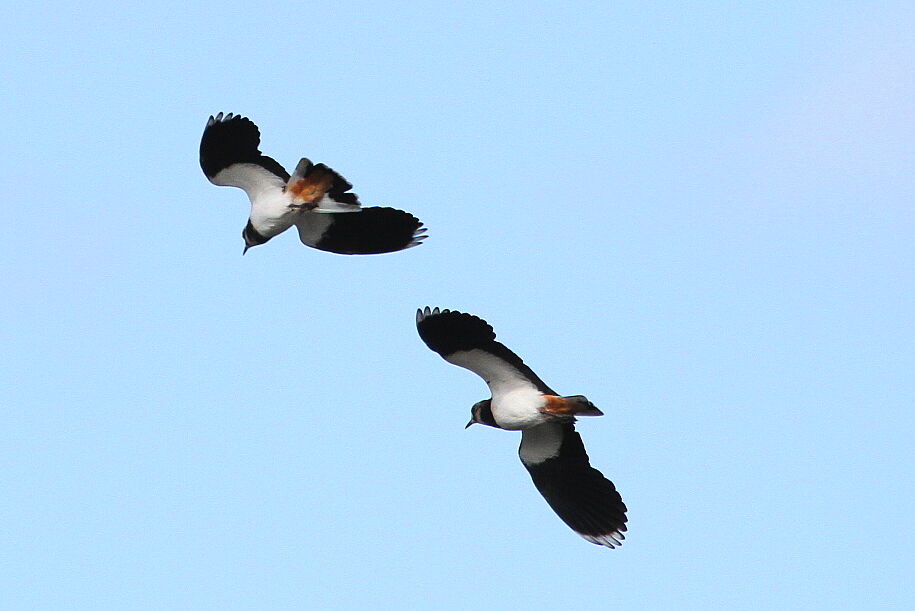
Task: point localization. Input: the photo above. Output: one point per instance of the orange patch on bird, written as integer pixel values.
(312, 188)
(560, 406)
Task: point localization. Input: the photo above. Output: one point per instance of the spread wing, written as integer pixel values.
(470, 342)
(579, 494)
(368, 231)
(229, 156)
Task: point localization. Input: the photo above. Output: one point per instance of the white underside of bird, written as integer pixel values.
(516, 403)
(274, 208)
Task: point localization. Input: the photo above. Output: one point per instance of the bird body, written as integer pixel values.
(516, 403)
(271, 214)
(229, 156)
(551, 449)
(519, 408)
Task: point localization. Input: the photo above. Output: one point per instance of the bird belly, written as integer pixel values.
(271, 214)
(518, 409)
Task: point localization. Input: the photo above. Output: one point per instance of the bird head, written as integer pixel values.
(481, 412)
(252, 237)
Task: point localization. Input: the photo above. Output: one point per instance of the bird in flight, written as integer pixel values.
(551, 449)
(316, 199)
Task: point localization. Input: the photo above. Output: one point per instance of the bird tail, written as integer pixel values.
(583, 407)
(575, 405)
(320, 189)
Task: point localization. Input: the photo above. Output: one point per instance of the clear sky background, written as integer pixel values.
(698, 214)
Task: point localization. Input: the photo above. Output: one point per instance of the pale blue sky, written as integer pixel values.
(699, 215)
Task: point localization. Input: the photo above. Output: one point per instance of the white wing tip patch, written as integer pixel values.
(418, 236)
(219, 118)
(611, 540)
(424, 313)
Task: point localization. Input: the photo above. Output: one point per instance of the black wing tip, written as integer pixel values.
(601, 522)
(419, 228)
(447, 331)
(222, 121)
(231, 138)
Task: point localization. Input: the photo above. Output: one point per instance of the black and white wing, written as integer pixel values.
(470, 342)
(579, 494)
(369, 231)
(229, 156)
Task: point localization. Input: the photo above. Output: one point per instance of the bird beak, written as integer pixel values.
(245, 250)
(468, 425)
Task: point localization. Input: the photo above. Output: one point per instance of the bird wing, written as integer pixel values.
(579, 494)
(470, 342)
(368, 231)
(229, 156)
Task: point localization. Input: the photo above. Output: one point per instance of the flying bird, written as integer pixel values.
(551, 449)
(316, 199)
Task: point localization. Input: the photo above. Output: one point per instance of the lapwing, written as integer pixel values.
(316, 199)
(551, 449)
